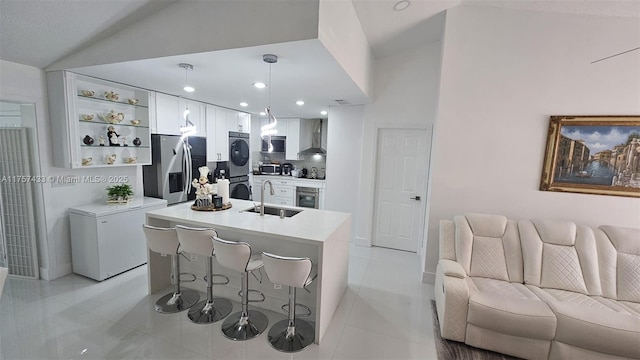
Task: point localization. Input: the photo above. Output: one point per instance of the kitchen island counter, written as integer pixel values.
(323, 236)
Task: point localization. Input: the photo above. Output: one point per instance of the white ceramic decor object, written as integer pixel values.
(223, 190)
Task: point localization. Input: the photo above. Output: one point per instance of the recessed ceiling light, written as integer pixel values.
(189, 89)
(323, 112)
(262, 113)
(260, 85)
(300, 102)
(401, 5)
(244, 104)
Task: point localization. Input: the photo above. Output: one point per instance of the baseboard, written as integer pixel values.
(362, 242)
(428, 277)
(47, 274)
(44, 274)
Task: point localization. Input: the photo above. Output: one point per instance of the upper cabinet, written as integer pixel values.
(97, 123)
(170, 115)
(289, 127)
(220, 122)
(293, 139)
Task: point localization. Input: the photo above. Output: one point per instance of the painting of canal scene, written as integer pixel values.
(593, 154)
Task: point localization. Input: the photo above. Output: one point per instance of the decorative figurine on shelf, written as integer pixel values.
(112, 135)
(204, 190)
(88, 140)
(114, 118)
(137, 141)
(124, 141)
(101, 140)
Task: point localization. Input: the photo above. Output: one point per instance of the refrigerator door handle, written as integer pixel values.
(188, 165)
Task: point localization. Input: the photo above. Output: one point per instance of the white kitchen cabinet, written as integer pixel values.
(293, 139)
(81, 115)
(284, 191)
(244, 122)
(196, 115)
(238, 121)
(169, 114)
(219, 122)
(107, 240)
(221, 134)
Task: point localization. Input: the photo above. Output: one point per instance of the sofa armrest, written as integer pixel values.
(452, 299)
(452, 268)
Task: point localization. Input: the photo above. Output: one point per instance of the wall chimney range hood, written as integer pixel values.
(316, 140)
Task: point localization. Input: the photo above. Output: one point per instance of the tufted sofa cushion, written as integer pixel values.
(488, 246)
(565, 260)
(619, 256)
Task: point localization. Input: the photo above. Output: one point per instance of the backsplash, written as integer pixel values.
(308, 162)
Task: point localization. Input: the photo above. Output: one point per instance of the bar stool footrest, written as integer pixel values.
(224, 282)
(254, 292)
(307, 310)
(192, 277)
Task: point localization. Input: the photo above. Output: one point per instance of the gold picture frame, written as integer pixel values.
(593, 155)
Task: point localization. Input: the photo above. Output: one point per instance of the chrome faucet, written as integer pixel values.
(272, 192)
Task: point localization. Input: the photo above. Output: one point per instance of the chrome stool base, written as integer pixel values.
(172, 303)
(237, 327)
(284, 340)
(207, 313)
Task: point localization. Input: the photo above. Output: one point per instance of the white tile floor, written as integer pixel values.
(385, 314)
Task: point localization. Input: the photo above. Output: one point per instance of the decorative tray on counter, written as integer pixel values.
(211, 208)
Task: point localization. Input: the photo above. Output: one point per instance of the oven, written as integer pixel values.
(307, 197)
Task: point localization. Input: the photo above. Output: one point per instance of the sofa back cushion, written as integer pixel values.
(619, 258)
(560, 255)
(488, 246)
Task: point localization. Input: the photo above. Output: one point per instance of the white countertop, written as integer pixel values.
(310, 225)
(317, 183)
(102, 209)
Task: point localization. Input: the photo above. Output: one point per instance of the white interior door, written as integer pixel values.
(401, 178)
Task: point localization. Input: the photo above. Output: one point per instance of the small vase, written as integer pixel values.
(137, 141)
(88, 140)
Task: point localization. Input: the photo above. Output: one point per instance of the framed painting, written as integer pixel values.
(593, 155)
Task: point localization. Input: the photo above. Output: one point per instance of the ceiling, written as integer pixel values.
(39, 33)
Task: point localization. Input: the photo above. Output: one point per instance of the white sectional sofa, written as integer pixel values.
(539, 289)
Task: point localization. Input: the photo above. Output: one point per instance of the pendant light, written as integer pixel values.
(187, 67)
(188, 128)
(270, 129)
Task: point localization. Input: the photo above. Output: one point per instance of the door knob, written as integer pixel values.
(416, 198)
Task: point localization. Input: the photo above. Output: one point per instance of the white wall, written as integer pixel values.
(344, 150)
(406, 88)
(504, 73)
(27, 84)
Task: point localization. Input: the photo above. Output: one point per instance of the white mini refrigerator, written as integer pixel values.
(107, 240)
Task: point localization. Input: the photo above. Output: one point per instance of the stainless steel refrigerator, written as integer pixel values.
(174, 164)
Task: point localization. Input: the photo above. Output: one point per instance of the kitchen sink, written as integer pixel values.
(272, 210)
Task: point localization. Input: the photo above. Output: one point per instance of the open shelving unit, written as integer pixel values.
(77, 141)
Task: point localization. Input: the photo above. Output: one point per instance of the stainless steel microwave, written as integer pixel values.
(270, 169)
(279, 144)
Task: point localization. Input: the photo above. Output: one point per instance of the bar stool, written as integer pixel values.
(199, 241)
(289, 335)
(245, 324)
(165, 241)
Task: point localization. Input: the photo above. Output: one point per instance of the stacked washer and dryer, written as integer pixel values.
(239, 166)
